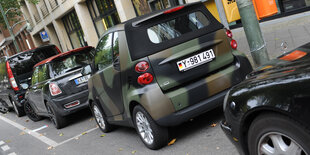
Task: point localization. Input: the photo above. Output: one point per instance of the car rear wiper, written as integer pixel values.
(74, 68)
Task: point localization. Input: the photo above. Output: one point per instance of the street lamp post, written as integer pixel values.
(9, 27)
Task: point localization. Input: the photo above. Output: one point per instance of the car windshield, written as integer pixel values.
(71, 62)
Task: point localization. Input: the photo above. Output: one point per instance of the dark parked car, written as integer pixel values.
(269, 112)
(162, 69)
(58, 87)
(15, 75)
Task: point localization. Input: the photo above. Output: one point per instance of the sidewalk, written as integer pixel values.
(294, 29)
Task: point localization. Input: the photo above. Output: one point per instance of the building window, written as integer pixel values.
(143, 7)
(74, 30)
(104, 14)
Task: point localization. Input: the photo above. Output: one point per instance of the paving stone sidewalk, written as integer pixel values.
(294, 30)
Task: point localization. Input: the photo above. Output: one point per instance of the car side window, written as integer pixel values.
(43, 73)
(115, 46)
(103, 56)
(35, 76)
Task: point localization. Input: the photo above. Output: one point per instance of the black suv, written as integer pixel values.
(162, 69)
(58, 87)
(15, 75)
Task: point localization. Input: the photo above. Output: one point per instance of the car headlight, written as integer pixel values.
(225, 100)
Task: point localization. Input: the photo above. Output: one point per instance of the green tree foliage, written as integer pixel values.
(13, 14)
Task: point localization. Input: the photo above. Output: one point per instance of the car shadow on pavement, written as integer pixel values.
(205, 121)
(78, 117)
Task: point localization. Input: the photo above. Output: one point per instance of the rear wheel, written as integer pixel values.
(31, 113)
(58, 121)
(276, 134)
(18, 110)
(153, 136)
(100, 118)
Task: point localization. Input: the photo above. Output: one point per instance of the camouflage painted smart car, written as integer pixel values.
(162, 69)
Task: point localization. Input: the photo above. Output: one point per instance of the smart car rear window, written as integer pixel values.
(177, 27)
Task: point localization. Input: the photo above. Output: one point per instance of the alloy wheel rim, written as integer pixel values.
(99, 117)
(29, 110)
(144, 128)
(15, 108)
(277, 143)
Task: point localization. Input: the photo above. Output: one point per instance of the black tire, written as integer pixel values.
(58, 121)
(31, 113)
(18, 110)
(160, 134)
(278, 127)
(100, 118)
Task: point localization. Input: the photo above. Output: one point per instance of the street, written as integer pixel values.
(21, 136)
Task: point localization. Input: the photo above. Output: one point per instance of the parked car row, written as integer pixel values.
(149, 73)
(160, 70)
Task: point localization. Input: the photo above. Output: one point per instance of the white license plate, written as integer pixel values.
(196, 60)
(82, 79)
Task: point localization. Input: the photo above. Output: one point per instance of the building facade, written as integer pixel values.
(71, 24)
(22, 37)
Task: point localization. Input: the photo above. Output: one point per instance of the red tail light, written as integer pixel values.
(72, 104)
(229, 34)
(145, 79)
(233, 44)
(173, 10)
(11, 77)
(142, 66)
(54, 89)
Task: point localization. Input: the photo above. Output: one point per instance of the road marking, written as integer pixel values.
(40, 137)
(38, 129)
(88, 131)
(1, 142)
(13, 153)
(5, 147)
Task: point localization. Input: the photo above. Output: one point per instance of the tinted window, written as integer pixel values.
(71, 62)
(43, 73)
(35, 76)
(23, 63)
(177, 27)
(103, 56)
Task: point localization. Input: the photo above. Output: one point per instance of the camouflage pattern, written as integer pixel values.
(171, 90)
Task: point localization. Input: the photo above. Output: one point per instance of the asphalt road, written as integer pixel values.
(21, 136)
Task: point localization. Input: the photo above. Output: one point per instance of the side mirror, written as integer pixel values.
(86, 70)
(24, 86)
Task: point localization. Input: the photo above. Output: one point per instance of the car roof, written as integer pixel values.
(62, 54)
(31, 50)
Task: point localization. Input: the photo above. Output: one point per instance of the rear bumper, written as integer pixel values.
(235, 72)
(59, 103)
(192, 111)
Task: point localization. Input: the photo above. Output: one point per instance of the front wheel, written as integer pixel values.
(100, 118)
(153, 136)
(31, 113)
(276, 134)
(58, 121)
